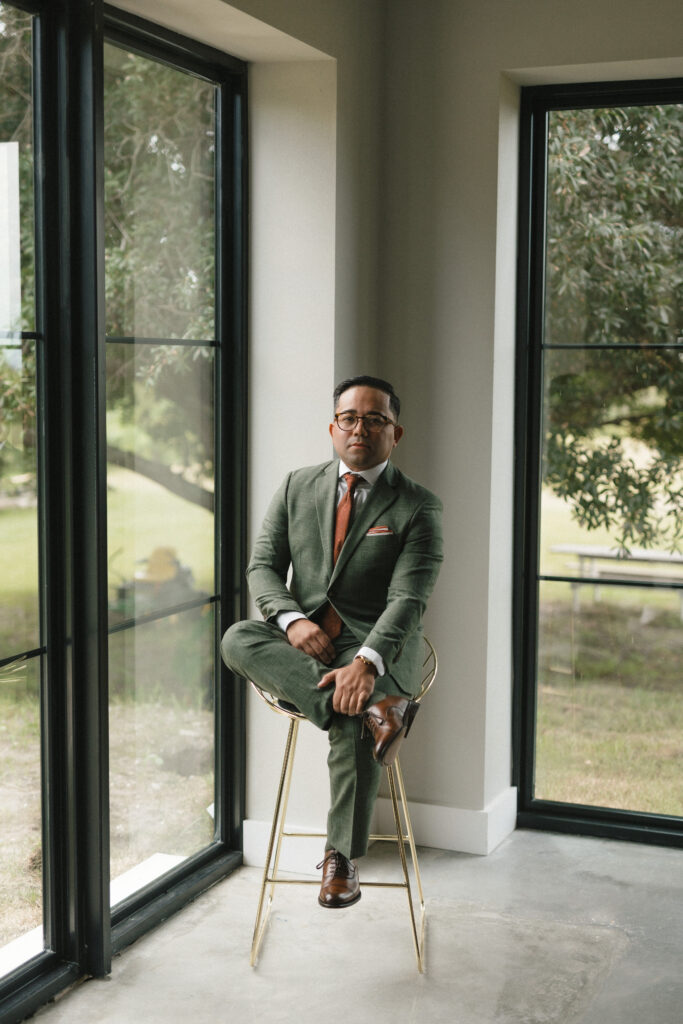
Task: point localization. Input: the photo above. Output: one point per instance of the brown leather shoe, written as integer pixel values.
(389, 721)
(340, 885)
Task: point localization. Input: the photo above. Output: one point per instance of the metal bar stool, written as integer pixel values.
(403, 833)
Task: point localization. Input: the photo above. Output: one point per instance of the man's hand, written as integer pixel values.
(353, 684)
(311, 639)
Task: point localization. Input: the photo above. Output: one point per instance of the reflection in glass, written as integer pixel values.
(160, 479)
(609, 715)
(20, 814)
(161, 677)
(16, 173)
(614, 226)
(159, 199)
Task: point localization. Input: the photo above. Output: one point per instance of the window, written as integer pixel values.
(160, 241)
(122, 382)
(600, 524)
(21, 634)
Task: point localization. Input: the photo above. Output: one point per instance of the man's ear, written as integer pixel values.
(331, 428)
(398, 433)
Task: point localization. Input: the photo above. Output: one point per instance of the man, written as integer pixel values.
(343, 642)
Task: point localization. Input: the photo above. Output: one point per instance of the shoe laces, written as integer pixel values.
(341, 863)
(373, 720)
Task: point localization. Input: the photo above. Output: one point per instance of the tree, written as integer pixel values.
(614, 274)
(17, 356)
(159, 257)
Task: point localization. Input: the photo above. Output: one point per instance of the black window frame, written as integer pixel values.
(536, 103)
(81, 931)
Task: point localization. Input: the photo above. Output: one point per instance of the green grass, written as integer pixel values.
(161, 784)
(602, 745)
(142, 516)
(161, 687)
(558, 526)
(18, 551)
(610, 714)
(20, 815)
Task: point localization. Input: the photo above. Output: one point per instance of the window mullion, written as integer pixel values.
(59, 857)
(230, 447)
(82, 256)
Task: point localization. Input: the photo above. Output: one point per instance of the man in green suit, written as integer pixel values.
(343, 641)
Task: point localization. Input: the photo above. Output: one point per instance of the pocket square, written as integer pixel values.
(376, 531)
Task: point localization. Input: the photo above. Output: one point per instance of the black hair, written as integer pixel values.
(364, 381)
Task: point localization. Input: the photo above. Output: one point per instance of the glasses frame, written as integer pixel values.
(373, 430)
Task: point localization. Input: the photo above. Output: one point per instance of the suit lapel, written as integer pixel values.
(382, 495)
(325, 505)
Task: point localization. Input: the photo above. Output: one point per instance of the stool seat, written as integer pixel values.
(402, 834)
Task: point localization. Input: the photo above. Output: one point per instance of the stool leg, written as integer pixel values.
(279, 817)
(411, 837)
(418, 941)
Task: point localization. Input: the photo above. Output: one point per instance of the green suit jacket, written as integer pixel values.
(385, 572)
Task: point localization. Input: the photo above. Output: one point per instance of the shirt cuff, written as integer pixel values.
(376, 659)
(285, 619)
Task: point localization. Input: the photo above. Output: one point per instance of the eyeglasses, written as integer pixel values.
(374, 421)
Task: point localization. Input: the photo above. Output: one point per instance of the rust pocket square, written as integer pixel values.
(378, 531)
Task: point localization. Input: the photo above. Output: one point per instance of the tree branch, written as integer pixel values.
(162, 475)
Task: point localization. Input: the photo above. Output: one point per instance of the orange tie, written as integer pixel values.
(329, 620)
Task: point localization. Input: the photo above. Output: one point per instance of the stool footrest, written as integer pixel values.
(393, 838)
(303, 835)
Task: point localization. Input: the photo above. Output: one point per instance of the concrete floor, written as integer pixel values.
(547, 930)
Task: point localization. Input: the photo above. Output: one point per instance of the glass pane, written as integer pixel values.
(160, 254)
(610, 715)
(19, 616)
(160, 479)
(21, 896)
(615, 226)
(21, 933)
(161, 555)
(159, 199)
(612, 494)
(16, 173)
(161, 677)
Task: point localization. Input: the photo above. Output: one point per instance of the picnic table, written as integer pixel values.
(600, 563)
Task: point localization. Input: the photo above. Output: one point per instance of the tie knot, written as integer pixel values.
(351, 481)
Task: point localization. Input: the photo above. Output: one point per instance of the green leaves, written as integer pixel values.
(159, 200)
(614, 259)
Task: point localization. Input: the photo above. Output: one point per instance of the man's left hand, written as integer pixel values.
(353, 684)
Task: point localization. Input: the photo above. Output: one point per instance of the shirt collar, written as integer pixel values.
(371, 475)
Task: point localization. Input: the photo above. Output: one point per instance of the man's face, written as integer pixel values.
(361, 448)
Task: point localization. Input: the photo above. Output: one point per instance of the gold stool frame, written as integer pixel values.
(401, 836)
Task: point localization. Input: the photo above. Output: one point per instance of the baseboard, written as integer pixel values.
(445, 828)
(455, 828)
(298, 855)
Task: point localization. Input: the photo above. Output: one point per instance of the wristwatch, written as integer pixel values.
(366, 661)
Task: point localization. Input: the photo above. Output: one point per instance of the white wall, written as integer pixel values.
(424, 225)
(447, 330)
(314, 101)
(291, 359)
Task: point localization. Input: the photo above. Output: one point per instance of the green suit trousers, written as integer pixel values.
(260, 651)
